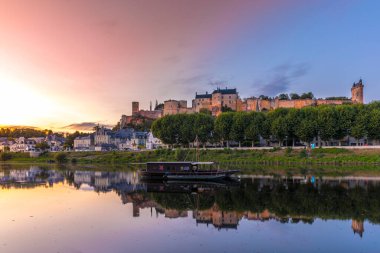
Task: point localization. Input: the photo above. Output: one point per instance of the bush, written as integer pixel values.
(74, 160)
(303, 153)
(333, 151)
(288, 151)
(180, 154)
(274, 149)
(4, 156)
(139, 157)
(319, 155)
(60, 157)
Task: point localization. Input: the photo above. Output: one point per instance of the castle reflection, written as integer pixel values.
(225, 204)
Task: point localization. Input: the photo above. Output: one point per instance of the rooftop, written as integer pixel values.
(225, 91)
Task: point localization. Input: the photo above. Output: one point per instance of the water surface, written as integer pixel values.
(46, 210)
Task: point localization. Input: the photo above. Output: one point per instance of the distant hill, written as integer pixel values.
(83, 127)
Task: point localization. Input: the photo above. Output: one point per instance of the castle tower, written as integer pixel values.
(357, 92)
(135, 108)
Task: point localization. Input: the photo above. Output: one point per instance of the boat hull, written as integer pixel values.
(204, 175)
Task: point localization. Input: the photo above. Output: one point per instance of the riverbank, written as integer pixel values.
(274, 156)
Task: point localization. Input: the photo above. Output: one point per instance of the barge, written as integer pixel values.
(184, 171)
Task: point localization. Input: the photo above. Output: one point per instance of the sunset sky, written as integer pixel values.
(73, 61)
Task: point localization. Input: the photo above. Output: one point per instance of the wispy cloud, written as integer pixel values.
(192, 80)
(281, 77)
(84, 126)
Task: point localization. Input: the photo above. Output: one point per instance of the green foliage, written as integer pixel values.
(275, 149)
(294, 96)
(225, 108)
(333, 151)
(42, 145)
(223, 124)
(5, 156)
(255, 126)
(205, 111)
(60, 157)
(159, 107)
(116, 127)
(288, 151)
(327, 122)
(283, 96)
(69, 142)
(308, 95)
(240, 123)
(303, 153)
(180, 154)
(24, 132)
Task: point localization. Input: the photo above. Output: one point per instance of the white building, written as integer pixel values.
(23, 144)
(84, 143)
(152, 142)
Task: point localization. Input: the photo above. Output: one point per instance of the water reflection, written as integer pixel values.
(224, 204)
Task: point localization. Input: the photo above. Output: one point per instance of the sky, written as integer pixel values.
(65, 62)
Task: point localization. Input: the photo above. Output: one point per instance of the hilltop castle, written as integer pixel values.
(221, 99)
(229, 98)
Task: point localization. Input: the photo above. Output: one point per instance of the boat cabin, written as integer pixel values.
(174, 166)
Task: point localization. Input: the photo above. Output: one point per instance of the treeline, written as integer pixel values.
(24, 132)
(289, 126)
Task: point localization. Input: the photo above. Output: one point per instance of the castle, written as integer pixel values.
(228, 99)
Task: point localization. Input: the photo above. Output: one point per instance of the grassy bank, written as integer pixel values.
(285, 156)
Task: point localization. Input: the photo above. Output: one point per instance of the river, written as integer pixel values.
(45, 209)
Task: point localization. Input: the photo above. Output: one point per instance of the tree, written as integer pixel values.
(116, 127)
(60, 157)
(203, 127)
(345, 115)
(159, 107)
(307, 128)
(225, 108)
(283, 96)
(42, 145)
(166, 129)
(205, 111)
(308, 95)
(279, 129)
(185, 122)
(69, 142)
(239, 125)
(255, 126)
(292, 121)
(327, 123)
(359, 129)
(263, 97)
(374, 124)
(294, 96)
(223, 125)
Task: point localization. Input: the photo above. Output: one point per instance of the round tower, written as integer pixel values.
(357, 92)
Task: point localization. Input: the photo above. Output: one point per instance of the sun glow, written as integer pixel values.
(20, 104)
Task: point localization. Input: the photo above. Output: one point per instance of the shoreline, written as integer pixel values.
(331, 156)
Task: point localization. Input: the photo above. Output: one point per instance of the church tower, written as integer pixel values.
(357, 92)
